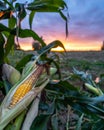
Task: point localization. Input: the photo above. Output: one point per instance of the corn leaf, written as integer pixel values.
(19, 66)
(12, 22)
(54, 122)
(9, 44)
(31, 17)
(29, 33)
(47, 5)
(4, 28)
(2, 41)
(78, 126)
(51, 45)
(40, 122)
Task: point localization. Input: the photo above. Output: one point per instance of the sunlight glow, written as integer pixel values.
(68, 47)
(26, 46)
(79, 47)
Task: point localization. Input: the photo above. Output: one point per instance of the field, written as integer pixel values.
(92, 56)
(87, 61)
(91, 62)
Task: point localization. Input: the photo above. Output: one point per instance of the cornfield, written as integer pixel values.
(41, 90)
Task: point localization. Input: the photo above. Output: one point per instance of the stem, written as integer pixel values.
(67, 123)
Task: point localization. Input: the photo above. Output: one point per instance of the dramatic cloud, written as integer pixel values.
(87, 20)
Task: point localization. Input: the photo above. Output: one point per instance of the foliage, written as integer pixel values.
(16, 12)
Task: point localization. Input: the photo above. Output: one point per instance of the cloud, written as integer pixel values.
(49, 25)
(87, 20)
(85, 24)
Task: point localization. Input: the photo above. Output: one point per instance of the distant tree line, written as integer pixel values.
(102, 47)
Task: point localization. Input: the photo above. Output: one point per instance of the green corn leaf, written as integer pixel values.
(9, 3)
(98, 125)
(54, 122)
(47, 5)
(21, 11)
(29, 33)
(6, 34)
(9, 44)
(66, 20)
(2, 42)
(31, 17)
(51, 45)
(17, 123)
(40, 122)
(95, 109)
(12, 22)
(78, 126)
(4, 28)
(50, 6)
(23, 61)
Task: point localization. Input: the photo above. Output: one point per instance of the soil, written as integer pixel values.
(86, 55)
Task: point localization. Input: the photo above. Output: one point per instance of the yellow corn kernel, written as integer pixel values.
(26, 86)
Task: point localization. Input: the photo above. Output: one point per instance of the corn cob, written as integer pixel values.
(26, 86)
(8, 110)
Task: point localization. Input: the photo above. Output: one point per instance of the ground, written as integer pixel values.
(92, 61)
(87, 55)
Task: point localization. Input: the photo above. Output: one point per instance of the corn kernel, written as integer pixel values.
(26, 86)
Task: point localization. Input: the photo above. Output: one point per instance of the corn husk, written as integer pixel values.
(8, 114)
(32, 114)
(93, 89)
(11, 74)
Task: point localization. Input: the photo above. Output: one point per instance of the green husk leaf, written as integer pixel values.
(78, 126)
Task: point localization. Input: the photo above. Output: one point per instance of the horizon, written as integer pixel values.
(69, 48)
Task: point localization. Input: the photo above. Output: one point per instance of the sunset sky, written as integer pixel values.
(86, 26)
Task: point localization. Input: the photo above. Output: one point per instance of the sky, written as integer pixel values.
(86, 26)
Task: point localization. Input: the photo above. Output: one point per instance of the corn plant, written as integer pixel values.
(19, 93)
